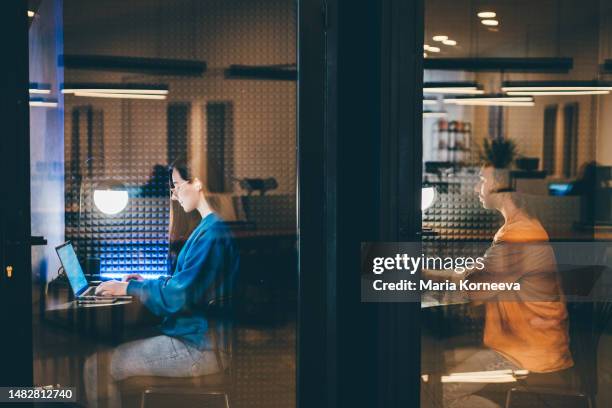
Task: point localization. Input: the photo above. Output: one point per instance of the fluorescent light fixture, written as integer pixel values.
(43, 104)
(493, 100)
(487, 14)
(432, 114)
(426, 47)
(556, 88)
(430, 101)
(440, 38)
(31, 13)
(109, 201)
(556, 93)
(452, 43)
(454, 91)
(434, 49)
(119, 95)
(496, 103)
(117, 91)
(424, 55)
(428, 196)
(38, 88)
(490, 23)
(40, 91)
(454, 88)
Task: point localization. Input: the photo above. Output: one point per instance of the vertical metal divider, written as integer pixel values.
(16, 289)
(359, 179)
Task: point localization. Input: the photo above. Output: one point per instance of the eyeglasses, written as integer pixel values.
(175, 187)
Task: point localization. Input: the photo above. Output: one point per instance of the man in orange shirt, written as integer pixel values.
(524, 329)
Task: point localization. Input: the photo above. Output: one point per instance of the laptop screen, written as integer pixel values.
(72, 267)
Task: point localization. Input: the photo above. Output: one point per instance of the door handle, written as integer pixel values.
(38, 240)
(34, 240)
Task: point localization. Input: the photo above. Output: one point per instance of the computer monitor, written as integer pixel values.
(72, 267)
(559, 189)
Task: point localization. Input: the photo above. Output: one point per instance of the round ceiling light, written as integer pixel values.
(490, 23)
(487, 14)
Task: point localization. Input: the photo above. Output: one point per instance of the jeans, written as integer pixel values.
(161, 356)
(462, 395)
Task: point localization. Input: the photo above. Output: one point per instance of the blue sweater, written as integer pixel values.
(206, 269)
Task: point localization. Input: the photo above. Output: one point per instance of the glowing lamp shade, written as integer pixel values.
(110, 200)
(428, 196)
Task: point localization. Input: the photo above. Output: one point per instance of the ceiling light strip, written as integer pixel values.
(434, 114)
(43, 104)
(116, 91)
(493, 103)
(119, 95)
(452, 90)
(560, 92)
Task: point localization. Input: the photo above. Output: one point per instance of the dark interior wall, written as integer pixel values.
(220, 33)
(219, 146)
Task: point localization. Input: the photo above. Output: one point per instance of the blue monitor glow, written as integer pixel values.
(559, 189)
(149, 259)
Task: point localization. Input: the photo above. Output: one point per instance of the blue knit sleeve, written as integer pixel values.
(201, 267)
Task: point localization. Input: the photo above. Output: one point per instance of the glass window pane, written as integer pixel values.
(515, 160)
(163, 142)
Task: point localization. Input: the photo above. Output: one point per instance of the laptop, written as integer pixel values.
(83, 293)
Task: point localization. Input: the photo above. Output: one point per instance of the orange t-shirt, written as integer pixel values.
(529, 332)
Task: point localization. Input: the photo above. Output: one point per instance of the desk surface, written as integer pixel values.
(53, 306)
(428, 303)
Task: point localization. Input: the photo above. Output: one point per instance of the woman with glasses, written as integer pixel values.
(204, 270)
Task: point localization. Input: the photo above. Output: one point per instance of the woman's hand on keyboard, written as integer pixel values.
(112, 288)
(132, 276)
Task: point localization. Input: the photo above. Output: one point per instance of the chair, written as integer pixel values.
(587, 321)
(207, 391)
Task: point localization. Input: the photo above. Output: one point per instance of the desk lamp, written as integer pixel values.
(428, 196)
(110, 197)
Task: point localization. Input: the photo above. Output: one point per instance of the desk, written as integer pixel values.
(431, 302)
(73, 304)
(57, 307)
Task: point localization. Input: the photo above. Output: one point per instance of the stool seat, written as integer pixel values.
(134, 389)
(218, 380)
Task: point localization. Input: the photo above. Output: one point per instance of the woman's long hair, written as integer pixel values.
(181, 223)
